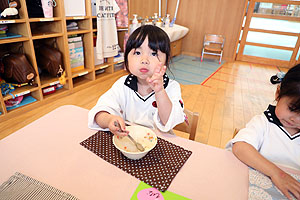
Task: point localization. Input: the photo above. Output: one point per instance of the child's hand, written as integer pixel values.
(114, 128)
(156, 81)
(285, 183)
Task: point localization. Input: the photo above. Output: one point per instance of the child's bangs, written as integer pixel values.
(156, 43)
(153, 43)
(139, 41)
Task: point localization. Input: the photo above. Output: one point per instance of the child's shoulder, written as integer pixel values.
(173, 83)
(121, 80)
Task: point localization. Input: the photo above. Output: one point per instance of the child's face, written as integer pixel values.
(143, 61)
(288, 118)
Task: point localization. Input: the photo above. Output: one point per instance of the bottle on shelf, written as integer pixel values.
(167, 21)
(135, 23)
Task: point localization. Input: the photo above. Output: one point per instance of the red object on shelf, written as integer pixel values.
(49, 90)
(94, 40)
(13, 102)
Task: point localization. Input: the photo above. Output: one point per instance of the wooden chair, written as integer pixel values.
(236, 130)
(189, 128)
(213, 45)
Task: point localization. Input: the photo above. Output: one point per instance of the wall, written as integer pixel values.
(200, 16)
(142, 7)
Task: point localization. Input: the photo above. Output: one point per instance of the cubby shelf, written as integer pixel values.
(20, 91)
(12, 40)
(53, 31)
(11, 21)
(51, 19)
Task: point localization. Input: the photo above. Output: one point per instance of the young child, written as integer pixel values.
(274, 138)
(146, 96)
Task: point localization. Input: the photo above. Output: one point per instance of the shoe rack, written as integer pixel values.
(53, 31)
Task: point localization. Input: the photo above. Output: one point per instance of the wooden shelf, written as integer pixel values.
(44, 35)
(81, 72)
(12, 40)
(79, 31)
(102, 66)
(80, 81)
(103, 74)
(20, 91)
(52, 19)
(48, 81)
(117, 62)
(53, 31)
(12, 21)
(77, 18)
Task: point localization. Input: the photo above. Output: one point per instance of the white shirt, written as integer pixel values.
(107, 37)
(122, 99)
(266, 134)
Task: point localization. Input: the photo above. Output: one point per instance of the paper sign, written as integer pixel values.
(46, 19)
(54, 83)
(22, 93)
(78, 17)
(147, 192)
(7, 21)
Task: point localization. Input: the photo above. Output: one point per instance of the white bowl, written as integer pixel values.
(141, 134)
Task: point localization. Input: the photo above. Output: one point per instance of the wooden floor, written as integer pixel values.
(226, 100)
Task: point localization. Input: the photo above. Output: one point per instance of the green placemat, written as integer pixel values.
(147, 192)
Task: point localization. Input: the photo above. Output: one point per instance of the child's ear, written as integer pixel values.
(277, 92)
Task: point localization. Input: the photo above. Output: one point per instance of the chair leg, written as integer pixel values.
(220, 57)
(202, 56)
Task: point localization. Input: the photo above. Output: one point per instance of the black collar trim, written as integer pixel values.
(142, 97)
(131, 82)
(272, 118)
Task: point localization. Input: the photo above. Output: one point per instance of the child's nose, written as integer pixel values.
(295, 119)
(144, 60)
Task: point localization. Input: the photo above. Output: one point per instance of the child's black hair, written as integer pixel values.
(290, 87)
(157, 40)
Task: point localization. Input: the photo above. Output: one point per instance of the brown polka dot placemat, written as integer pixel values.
(158, 168)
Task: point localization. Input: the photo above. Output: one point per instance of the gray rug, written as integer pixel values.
(188, 70)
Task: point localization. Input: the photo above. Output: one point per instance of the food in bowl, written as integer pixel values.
(143, 135)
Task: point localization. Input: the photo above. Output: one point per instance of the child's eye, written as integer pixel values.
(136, 53)
(154, 53)
(293, 108)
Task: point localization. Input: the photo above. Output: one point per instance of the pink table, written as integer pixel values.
(48, 150)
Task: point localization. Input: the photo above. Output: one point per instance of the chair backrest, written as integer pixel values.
(191, 126)
(236, 130)
(214, 39)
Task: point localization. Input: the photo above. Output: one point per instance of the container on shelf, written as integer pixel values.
(74, 8)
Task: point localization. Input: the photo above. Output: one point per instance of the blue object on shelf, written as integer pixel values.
(26, 100)
(9, 35)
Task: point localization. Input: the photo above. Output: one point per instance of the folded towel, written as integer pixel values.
(20, 186)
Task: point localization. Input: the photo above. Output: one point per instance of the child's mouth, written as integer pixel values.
(144, 70)
(288, 123)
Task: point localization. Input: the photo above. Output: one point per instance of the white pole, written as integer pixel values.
(174, 19)
(159, 8)
(166, 8)
(176, 8)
